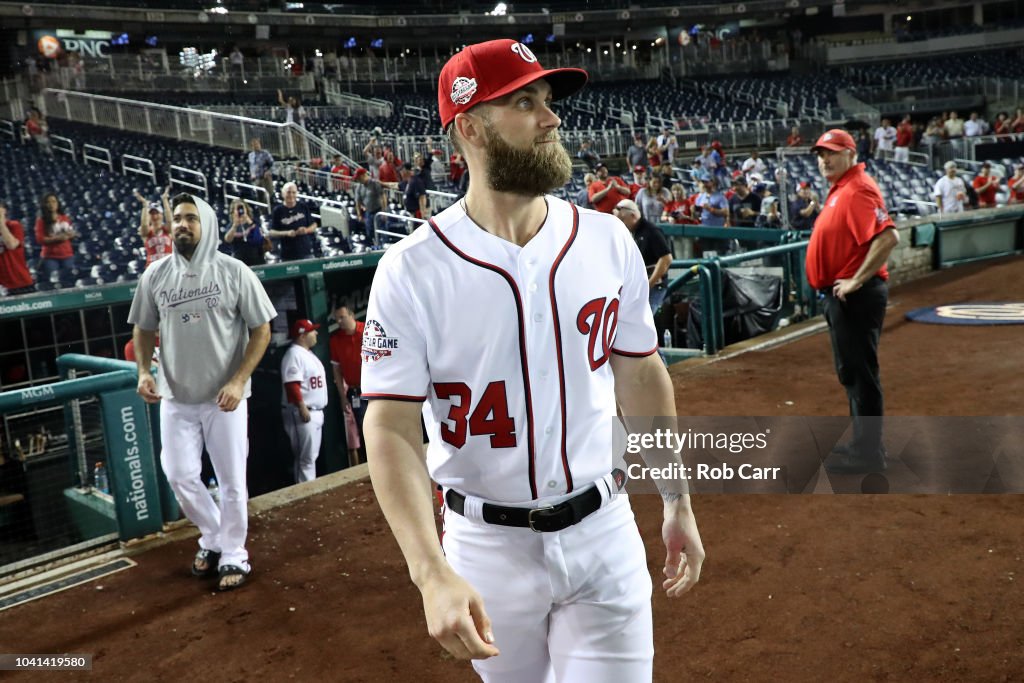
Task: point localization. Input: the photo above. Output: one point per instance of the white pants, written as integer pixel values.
(305, 439)
(572, 606)
(901, 154)
(184, 429)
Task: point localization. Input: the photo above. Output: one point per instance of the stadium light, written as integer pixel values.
(499, 10)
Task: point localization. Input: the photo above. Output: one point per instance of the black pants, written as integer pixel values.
(855, 327)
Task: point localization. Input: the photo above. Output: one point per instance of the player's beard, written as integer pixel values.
(185, 245)
(529, 172)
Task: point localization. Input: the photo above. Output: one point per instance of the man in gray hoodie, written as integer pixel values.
(213, 317)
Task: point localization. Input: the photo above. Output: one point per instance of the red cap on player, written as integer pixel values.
(487, 71)
(300, 327)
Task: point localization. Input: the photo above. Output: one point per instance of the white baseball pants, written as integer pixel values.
(184, 429)
(304, 438)
(571, 606)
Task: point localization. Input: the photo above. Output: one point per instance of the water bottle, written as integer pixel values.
(667, 338)
(99, 478)
(214, 490)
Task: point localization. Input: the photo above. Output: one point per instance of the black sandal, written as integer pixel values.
(232, 570)
(209, 558)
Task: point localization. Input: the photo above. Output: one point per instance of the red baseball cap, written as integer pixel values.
(639, 168)
(835, 140)
(360, 172)
(486, 71)
(301, 327)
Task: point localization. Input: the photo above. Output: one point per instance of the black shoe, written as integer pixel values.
(842, 449)
(851, 463)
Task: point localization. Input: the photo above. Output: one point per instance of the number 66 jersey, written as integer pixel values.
(508, 347)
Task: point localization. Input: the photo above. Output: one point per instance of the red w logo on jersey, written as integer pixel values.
(598, 321)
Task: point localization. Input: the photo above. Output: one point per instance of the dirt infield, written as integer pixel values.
(795, 588)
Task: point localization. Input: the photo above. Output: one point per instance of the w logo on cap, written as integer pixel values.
(524, 52)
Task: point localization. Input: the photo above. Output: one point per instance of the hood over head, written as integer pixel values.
(208, 240)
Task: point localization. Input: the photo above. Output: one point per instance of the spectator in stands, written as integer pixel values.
(639, 180)
(293, 225)
(237, 60)
(973, 126)
(367, 194)
(261, 166)
(387, 172)
(606, 191)
(754, 164)
(653, 247)
(245, 235)
(438, 172)
(986, 184)
(665, 173)
(636, 153)
(744, 206)
(667, 145)
(583, 196)
(954, 126)
(677, 210)
(770, 217)
(14, 275)
(39, 131)
(804, 208)
(794, 139)
(414, 192)
(346, 362)
(54, 232)
(653, 153)
(904, 140)
(1001, 126)
(863, 146)
(154, 230)
(934, 133)
(456, 167)
(1015, 184)
(374, 156)
(294, 112)
(950, 191)
(588, 155)
(884, 139)
(714, 212)
(653, 199)
(1017, 125)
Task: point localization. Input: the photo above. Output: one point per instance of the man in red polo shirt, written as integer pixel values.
(846, 262)
(346, 361)
(14, 275)
(606, 191)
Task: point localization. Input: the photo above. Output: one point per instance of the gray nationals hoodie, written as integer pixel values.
(203, 309)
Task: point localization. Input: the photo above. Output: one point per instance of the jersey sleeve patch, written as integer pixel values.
(377, 344)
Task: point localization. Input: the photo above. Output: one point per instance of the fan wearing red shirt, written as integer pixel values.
(1016, 184)
(794, 139)
(904, 139)
(846, 262)
(986, 185)
(605, 192)
(154, 230)
(346, 346)
(54, 232)
(14, 275)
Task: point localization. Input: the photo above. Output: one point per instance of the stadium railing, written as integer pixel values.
(182, 123)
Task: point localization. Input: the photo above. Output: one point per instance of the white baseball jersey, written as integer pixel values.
(508, 346)
(301, 365)
(951, 191)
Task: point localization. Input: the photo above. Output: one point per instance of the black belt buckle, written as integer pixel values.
(532, 512)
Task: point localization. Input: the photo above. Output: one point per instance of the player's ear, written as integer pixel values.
(470, 128)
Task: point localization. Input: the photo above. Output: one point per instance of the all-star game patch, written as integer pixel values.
(981, 313)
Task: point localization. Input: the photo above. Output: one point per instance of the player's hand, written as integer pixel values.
(147, 388)
(684, 550)
(138, 195)
(456, 617)
(304, 413)
(230, 396)
(843, 287)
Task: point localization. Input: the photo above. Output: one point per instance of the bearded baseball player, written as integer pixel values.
(516, 322)
(213, 317)
(303, 398)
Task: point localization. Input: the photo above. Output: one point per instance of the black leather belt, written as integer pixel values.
(542, 519)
